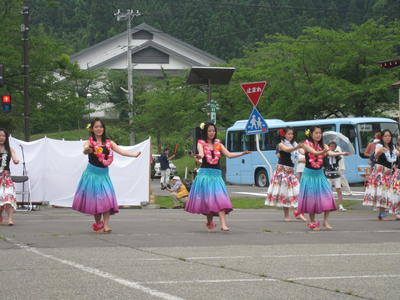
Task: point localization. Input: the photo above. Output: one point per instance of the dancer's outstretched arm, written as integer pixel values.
(14, 157)
(232, 155)
(123, 152)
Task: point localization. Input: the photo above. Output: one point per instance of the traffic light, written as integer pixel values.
(6, 103)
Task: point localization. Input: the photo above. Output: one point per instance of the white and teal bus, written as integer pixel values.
(252, 169)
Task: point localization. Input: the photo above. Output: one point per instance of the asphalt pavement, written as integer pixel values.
(168, 254)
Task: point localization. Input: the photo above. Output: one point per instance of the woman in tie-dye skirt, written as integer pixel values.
(95, 194)
(208, 194)
(315, 191)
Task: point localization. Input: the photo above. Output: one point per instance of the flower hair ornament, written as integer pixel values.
(89, 126)
(202, 125)
(307, 132)
(281, 132)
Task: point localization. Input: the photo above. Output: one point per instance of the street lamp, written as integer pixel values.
(128, 16)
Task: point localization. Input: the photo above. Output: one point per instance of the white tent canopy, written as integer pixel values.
(55, 167)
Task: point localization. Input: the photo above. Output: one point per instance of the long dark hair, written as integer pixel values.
(104, 136)
(285, 130)
(204, 132)
(312, 129)
(7, 141)
(391, 140)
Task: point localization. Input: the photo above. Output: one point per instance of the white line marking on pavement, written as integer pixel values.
(97, 272)
(254, 194)
(348, 197)
(274, 256)
(296, 255)
(346, 277)
(271, 279)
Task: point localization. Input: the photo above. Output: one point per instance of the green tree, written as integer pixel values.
(322, 73)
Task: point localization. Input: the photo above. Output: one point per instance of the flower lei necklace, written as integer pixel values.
(98, 151)
(207, 151)
(316, 161)
(3, 162)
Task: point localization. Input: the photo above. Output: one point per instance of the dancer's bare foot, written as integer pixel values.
(301, 218)
(314, 226)
(327, 226)
(211, 227)
(287, 219)
(225, 228)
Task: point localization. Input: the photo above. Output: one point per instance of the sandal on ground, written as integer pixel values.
(211, 227)
(10, 223)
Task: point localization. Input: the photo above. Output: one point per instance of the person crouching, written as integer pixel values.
(179, 192)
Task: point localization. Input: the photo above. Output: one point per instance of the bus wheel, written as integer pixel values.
(261, 178)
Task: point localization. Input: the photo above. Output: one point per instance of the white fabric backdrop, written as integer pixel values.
(55, 168)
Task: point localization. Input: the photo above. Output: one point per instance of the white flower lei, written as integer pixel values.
(390, 157)
(294, 155)
(3, 162)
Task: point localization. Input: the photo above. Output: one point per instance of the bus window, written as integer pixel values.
(269, 140)
(349, 132)
(299, 132)
(234, 141)
(366, 133)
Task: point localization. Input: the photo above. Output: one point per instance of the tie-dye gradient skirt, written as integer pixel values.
(95, 193)
(208, 194)
(315, 193)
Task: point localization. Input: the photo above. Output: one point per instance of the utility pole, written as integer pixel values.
(128, 16)
(25, 66)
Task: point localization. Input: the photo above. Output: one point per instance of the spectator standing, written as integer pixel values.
(371, 146)
(165, 170)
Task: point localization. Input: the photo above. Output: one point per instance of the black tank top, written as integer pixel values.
(7, 158)
(285, 158)
(382, 160)
(205, 164)
(93, 160)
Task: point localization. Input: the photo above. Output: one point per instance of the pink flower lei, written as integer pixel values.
(207, 151)
(98, 151)
(315, 161)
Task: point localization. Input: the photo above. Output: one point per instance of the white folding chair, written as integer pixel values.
(24, 204)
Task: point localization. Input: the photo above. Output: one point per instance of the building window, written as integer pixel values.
(150, 55)
(142, 35)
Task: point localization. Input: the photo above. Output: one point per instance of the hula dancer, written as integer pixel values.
(208, 195)
(8, 201)
(283, 190)
(95, 194)
(315, 192)
(377, 192)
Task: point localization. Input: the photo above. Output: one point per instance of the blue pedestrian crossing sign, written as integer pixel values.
(256, 124)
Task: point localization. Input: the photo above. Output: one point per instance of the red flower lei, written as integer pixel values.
(315, 161)
(98, 151)
(207, 151)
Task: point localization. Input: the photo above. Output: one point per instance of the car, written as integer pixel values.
(156, 172)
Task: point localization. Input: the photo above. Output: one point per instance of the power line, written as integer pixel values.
(282, 7)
